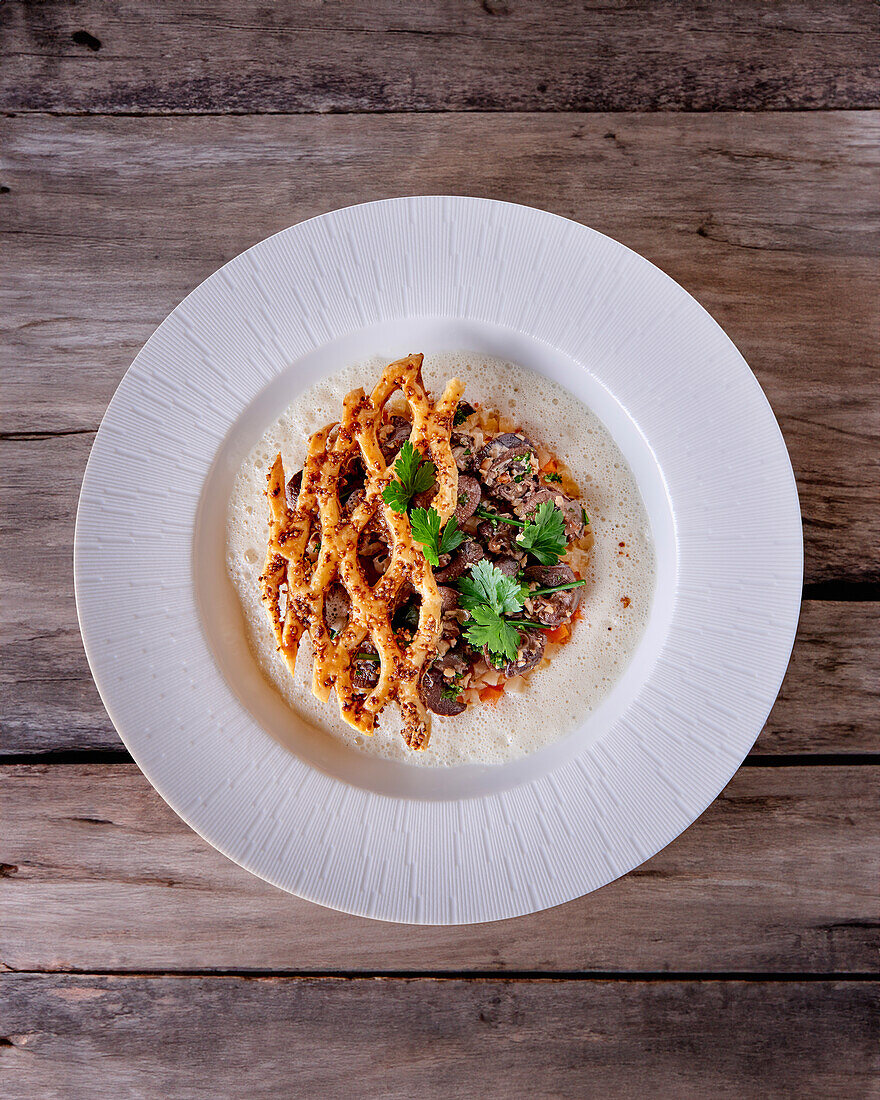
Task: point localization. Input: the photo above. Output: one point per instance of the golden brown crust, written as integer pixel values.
(318, 512)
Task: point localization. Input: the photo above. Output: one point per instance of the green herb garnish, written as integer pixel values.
(554, 588)
(487, 628)
(425, 524)
(553, 477)
(488, 596)
(544, 535)
(462, 411)
(488, 585)
(484, 513)
(414, 474)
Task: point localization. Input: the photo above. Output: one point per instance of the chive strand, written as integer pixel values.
(555, 588)
(484, 514)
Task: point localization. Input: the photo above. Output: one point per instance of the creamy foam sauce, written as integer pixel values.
(556, 699)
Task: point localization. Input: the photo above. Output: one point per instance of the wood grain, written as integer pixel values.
(73, 1036)
(48, 701)
(770, 220)
(778, 875)
(463, 55)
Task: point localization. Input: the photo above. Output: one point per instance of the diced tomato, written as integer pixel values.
(491, 694)
(560, 635)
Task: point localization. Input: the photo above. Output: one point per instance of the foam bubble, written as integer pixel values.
(556, 698)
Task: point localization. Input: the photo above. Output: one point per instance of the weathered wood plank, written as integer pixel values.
(830, 698)
(778, 875)
(770, 220)
(48, 701)
(462, 55)
(190, 1037)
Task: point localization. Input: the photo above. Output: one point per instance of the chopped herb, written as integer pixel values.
(553, 477)
(452, 692)
(585, 517)
(415, 475)
(367, 657)
(462, 412)
(425, 524)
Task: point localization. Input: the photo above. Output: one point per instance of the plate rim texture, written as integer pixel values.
(687, 729)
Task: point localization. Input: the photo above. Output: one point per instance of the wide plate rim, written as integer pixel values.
(232, 849)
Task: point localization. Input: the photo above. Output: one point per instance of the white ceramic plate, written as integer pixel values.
(390, 840)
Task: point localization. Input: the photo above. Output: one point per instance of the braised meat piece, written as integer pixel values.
(365, 670)
(529, 653)
(448, 598)
(507, 466)
(468, 498)
(499, 538)
(508, 566)
(469, 553)
(439, 686)
(464, 451)
(450, 627)
(293, 487)
(463, 410)
(557, 607)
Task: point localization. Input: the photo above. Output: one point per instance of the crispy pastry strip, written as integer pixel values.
(319, 511)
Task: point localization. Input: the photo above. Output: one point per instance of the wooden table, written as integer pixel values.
(733, 144)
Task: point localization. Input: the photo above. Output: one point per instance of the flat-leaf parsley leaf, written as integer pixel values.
(544, 535)
(425, 524)
(488, 596)
(414, 474)
(486, 628)
(488, 585)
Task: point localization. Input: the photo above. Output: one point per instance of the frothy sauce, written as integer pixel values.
(615, 602)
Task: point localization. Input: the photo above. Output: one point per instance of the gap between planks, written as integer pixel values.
(115, 757)
(471, 976)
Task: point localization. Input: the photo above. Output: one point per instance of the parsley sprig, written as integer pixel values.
(425, 525)
(414, 475)
(490, 598)
(488, 585)
(543, 534)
